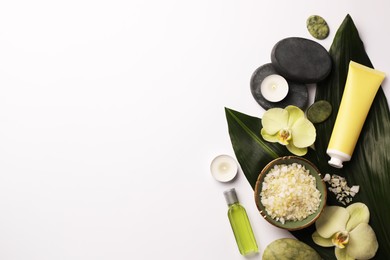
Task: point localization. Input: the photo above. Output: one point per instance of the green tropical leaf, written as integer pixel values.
(370, 164)
(252, 152)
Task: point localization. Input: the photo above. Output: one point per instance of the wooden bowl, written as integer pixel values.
(320, 185)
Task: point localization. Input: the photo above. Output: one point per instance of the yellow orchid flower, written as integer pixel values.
(288, 127)
(348, 230)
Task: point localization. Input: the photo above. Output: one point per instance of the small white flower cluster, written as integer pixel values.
(289, 193)
(338, 185)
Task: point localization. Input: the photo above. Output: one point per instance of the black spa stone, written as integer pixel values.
(301, 60)
(297, 94)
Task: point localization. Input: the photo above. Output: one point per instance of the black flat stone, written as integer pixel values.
(297, 95)
(301, 60)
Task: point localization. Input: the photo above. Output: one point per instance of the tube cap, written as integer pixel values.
(337, 158)
(336, 162)
(230, 196)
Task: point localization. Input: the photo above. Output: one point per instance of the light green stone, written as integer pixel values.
(319, 111)
(317, 27)
(289, 249)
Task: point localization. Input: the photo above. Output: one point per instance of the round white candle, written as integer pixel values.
(223, 168)
(274, 88)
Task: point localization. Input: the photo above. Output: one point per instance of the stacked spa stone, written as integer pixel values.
(300, 61)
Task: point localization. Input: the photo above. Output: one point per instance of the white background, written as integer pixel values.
(111, 112)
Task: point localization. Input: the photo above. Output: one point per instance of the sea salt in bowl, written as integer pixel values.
(290, 193)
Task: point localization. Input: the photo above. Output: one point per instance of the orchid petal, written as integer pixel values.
(294, 114)
(332, 220)
(341, 254)
(270, 138)
(319, 240)
(295, 150)
(362, 242)
(303, 133)
(359, 213)
(274, 120)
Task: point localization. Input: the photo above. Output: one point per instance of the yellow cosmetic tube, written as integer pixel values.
(360, 89)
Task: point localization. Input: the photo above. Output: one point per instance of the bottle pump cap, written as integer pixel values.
(230, 196)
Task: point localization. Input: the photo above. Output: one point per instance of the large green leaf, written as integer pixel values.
(370, 165)
(253, 153)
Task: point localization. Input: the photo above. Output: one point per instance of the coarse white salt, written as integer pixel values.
(339, 187)
(289, 193)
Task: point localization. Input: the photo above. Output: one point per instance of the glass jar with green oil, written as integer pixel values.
(241, 226)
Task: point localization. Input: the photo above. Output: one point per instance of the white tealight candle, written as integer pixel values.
(274, 88)
(223, 168)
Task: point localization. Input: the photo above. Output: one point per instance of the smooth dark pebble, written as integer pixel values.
(301, 60)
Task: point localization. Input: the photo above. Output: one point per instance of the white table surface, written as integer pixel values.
(111, 112)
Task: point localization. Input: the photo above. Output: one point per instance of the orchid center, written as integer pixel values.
(340, 239)
(284, 136)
